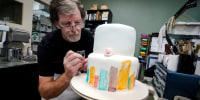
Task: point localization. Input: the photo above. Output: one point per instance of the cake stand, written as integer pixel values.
(87, 91)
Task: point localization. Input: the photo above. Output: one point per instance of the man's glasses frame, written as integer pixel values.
(69, 28)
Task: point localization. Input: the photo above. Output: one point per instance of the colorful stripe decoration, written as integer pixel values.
(112, 80)
(88, 70)
(132, 81)
(96, 81)
(128, 82)
(92, 72)
(103, 79)
(124, 75)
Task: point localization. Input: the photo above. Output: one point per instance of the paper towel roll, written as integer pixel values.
(172, 63)
(160, 58)
(165, 60)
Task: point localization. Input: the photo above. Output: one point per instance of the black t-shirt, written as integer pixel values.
(53, 49)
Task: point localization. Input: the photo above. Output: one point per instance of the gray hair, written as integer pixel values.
(64, 7)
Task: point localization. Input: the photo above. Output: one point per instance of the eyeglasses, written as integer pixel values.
(69, 28)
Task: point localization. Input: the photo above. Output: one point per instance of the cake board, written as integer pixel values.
(87, 91)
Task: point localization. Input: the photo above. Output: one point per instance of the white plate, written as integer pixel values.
(87, 91)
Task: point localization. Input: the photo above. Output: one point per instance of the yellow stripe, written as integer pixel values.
(92, 72)
(124, 75)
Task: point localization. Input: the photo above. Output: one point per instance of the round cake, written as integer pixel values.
(112, 66)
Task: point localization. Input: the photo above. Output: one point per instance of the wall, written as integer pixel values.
(191, 15)
(146, 16)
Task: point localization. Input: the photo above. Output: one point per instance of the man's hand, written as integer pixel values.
(84, 68)
(73, 62)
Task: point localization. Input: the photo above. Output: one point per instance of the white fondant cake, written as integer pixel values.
(121, 38)
(112, 66)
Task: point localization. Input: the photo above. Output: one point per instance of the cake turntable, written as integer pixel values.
(87, 91)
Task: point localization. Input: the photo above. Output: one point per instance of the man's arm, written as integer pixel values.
(50, 88)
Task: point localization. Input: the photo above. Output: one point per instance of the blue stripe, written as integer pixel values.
(128, 83)
(103, 79)
(88, 75)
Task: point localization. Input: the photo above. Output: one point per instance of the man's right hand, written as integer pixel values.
(73, 62)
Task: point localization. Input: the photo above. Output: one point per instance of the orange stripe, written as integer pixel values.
(92, 72)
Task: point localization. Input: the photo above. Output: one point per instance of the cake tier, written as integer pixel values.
(112, 73)
(120, 38)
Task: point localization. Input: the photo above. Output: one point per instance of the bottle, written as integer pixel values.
(35, 47)
(11, 54)
(24, 52)
(29, 51)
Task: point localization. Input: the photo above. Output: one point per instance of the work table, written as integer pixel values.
(7, 64)
(4, 63)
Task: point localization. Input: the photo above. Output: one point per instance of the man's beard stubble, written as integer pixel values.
(73, 36)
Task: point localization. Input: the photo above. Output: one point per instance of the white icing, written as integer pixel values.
(99, 61)
(121, 38)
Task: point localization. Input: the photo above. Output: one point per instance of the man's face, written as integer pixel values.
(70, 26)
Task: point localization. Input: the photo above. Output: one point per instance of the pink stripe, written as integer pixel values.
(96, 80)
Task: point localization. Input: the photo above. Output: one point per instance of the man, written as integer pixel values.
(58, 52)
